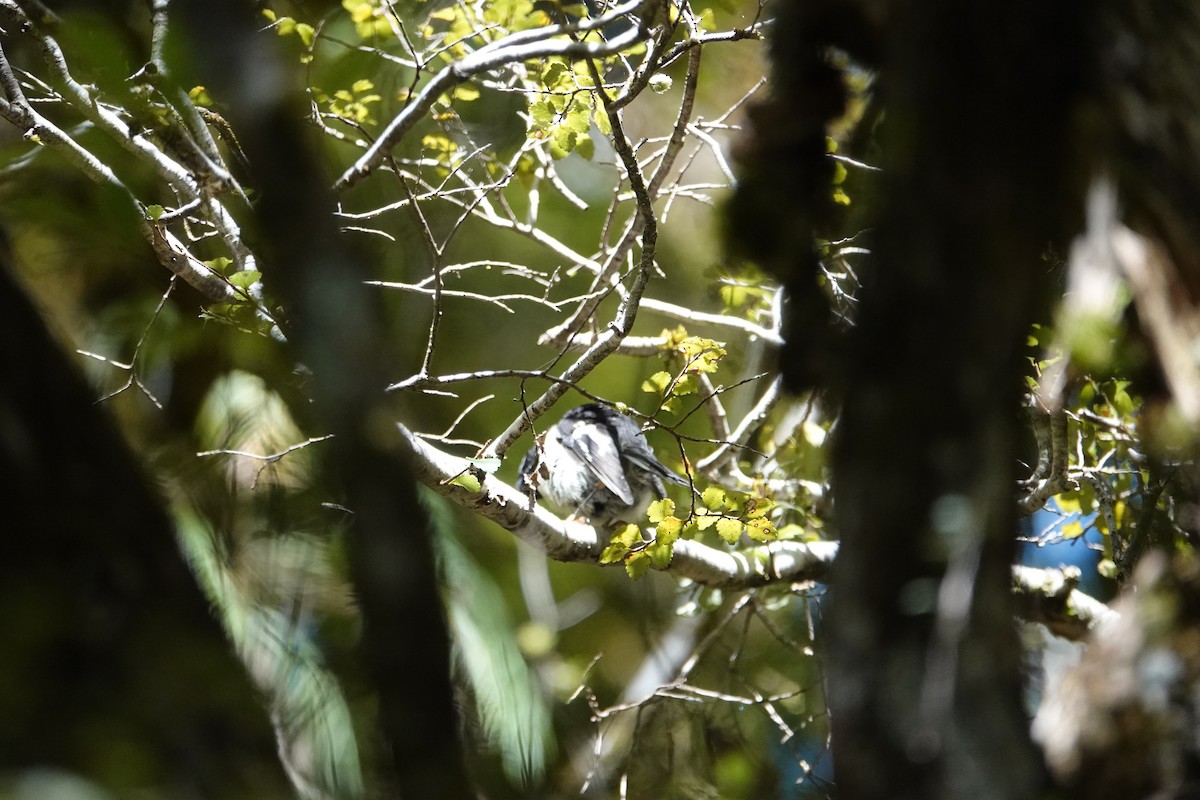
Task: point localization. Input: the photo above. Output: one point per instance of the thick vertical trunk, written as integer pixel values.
(924, 660)
(979, 101)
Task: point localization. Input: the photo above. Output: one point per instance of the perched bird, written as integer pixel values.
(595, 463)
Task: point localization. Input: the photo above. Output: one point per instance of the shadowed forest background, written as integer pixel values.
(907, 290)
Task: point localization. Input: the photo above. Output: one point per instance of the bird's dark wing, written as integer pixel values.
(525, 473)
(636, 450)
(596, 447)
(644, 457)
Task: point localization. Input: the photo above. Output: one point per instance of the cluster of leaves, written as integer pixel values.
(728, 513)
(689, 357)
(245, 314)
(1111, 472)
(369, 17)
(563, 109)
(353, 104)
(453, 27)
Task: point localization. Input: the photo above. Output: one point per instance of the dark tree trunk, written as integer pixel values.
(924, 664)
(335, 330)
(979, 102)
(112, 665)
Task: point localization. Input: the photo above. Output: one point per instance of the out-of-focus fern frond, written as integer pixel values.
(312, 722)
(511, 707)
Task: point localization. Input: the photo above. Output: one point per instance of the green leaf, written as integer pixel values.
(1072, 529)
(467, 481)
(790, 531)
(1069, 503)
(245, 278)
(701, 354)
(729, 529)
(541, 114)
(668, 530)
(657, 383)
(660, 555)
(562, 142)
(637, 564)
(758, 506)
(218, 264)
(1122, 402)
(1087, 393)
(660, 509)
(839, 173)
(613, 553)
(713, 498)
(685, 385)
(628, 535)
(602, 122)
(585, 147)
(306, 33)
(735, 502)
(154, 212)
(554, 73)
(761, 530)
(578, 118)
(200, 96)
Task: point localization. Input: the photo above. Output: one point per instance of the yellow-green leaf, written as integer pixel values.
(613, 553)
(713, 498)
(628, 535)
(668, 529)
(1072, 529)
(660, 509)
(637, 564)
(585, 147)
(245, 278)
(660, 555)
(729, 529)
(200, 96)
(657, 383)
(467, 481)
(759, 506)
(760, 530)
(306, 33)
